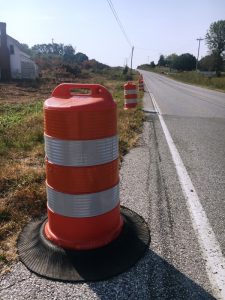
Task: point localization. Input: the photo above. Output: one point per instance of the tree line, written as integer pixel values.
(214, 61)
(65, 52)
(57, 55)
(183, 62)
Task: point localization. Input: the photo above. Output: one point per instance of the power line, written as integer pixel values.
(119, 22)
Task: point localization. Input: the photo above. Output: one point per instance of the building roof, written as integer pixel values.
(15, 42)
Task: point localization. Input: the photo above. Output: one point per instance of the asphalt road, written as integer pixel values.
(195, 118)
(173, 267)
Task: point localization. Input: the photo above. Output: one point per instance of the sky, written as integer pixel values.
(153, 27)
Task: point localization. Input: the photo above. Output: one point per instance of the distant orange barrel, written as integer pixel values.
(141, 84)
(130, 95)
(81, 146)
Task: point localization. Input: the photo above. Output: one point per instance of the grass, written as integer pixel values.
(22, 170)
(193, 77)
(27, 119)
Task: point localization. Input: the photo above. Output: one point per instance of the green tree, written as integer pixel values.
(40, 49)
(152, 64)
(69, 52)
(215, 39)
(207, 63)
(162, 61)
(185, 62)
(49, 49)
(80, 57)
(171, 60)
(57, 49)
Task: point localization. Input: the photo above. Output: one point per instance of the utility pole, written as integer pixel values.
(131, 60)
(199, 42)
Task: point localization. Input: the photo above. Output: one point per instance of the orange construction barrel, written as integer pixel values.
(141, 84)
(81, 145)
(130, 95)
(87, 236)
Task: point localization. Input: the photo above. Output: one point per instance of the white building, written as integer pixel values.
(14, 63)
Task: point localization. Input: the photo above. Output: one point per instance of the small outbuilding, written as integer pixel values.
(14, 62)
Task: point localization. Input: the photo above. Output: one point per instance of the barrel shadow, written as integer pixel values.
(151, 278)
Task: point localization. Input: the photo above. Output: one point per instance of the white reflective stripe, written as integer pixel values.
(130, 101)
(81, 153)
(130, 92)
(84, 205)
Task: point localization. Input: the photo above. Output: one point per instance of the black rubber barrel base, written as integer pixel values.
(48, 260)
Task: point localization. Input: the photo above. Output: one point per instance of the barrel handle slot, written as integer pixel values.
(68, 90)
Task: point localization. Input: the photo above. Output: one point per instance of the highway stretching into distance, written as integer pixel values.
(193, 122)
(195, 118)
(175, 179)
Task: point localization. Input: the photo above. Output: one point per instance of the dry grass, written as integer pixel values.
(22, 171)
(217, 83)
(22, 197)
(193, 77)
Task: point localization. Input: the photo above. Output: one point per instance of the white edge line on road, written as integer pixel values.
(215, 262)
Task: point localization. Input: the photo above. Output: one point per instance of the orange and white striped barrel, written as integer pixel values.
(130, 95)
(141, 84)
(81, 146)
